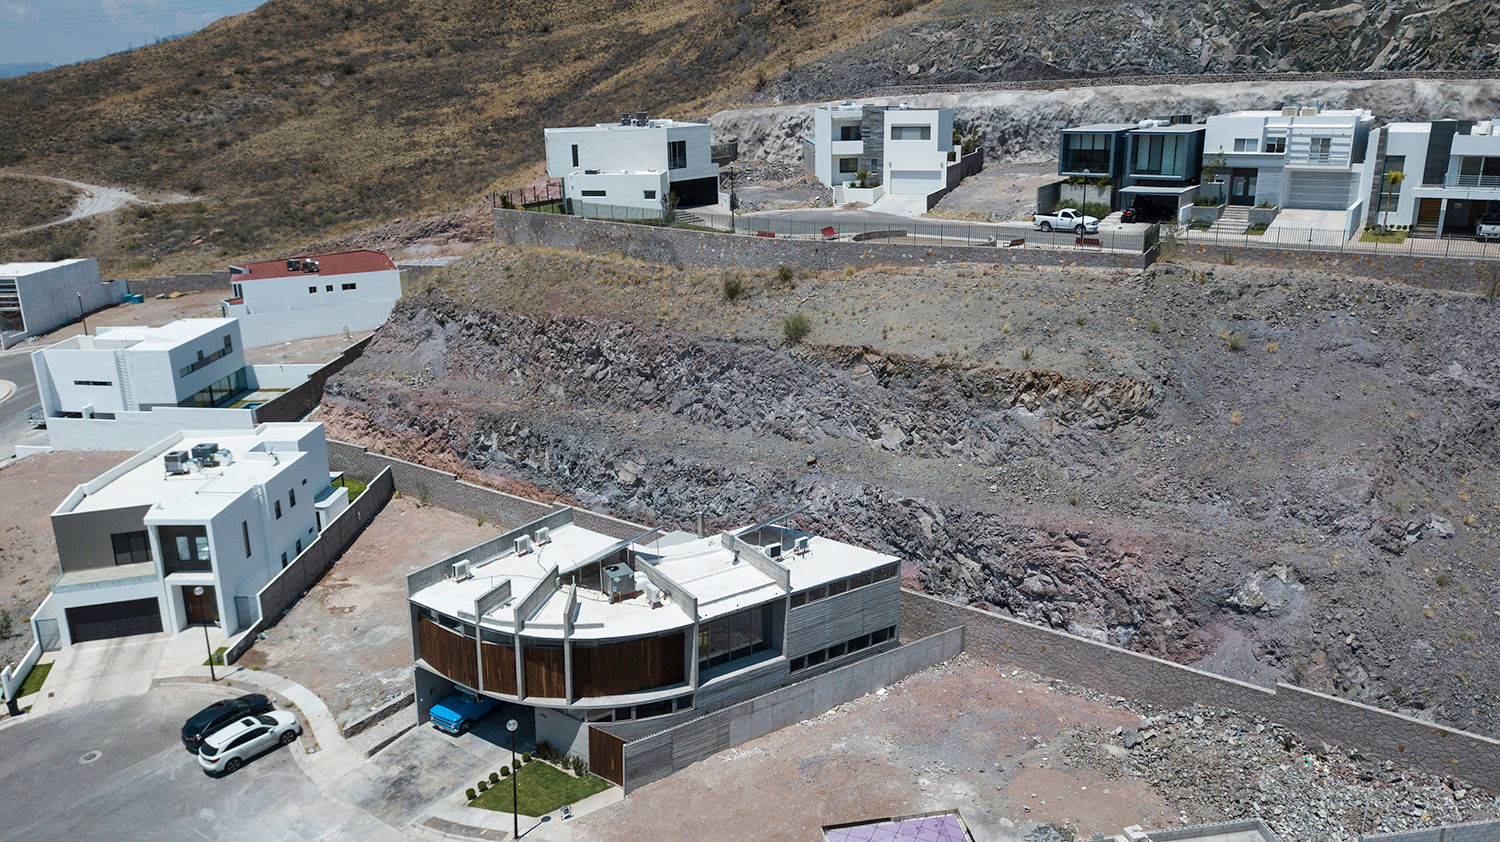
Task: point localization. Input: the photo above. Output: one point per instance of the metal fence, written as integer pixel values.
(1333, 240)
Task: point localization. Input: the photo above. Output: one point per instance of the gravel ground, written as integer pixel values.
(32, 488)
(349, 638)
(1002, 190)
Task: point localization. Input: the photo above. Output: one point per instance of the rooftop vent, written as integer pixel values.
(773, 550)
(462, 570)
(310, 265)
(523, 545)
(294, 264)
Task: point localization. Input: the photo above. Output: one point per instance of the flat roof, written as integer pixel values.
(1175, 128)
(22, 268)
(338, 263)
(1100, 128)
(720, 580)
(199, 495)
(652, 123)
(939, 827)
(144, 338)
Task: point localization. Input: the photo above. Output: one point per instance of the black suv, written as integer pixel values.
(218, 714)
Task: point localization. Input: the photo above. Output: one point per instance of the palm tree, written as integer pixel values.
(1394, 179)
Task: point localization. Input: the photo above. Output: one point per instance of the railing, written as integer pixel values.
(59, 586)
(1335, 241)
(1491, 181)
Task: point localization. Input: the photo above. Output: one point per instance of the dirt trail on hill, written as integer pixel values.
(93, 199)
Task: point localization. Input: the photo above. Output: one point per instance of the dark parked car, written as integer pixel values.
(219, 714)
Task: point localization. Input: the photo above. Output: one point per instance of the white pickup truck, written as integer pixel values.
(1488, 228)
(1067, 219)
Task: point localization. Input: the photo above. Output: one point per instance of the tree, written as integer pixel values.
(862, 177)
(1213, 167)
(668, 207)
(1393, 179)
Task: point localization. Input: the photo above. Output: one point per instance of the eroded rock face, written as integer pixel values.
(1267, 591)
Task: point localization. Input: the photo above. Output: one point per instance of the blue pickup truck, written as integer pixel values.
(458, 713)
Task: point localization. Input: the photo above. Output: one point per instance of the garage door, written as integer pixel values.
(1320, 191)
(914, 182)
(114, 619)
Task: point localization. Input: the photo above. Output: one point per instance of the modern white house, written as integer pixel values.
(909, 151)
(320, 295)
(1450, 175)
(128, 387)
(632, 165)
(187, 531)
(38, 297)
(569, 627)
(1297, 158)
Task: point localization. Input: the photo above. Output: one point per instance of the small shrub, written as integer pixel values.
(1072, 498)
(1025, 353)
(1236, 341)
(796, 327)
(1272, 347)
(1444, 579)
(1228, 258)
(1081, 320)
(484, 786)
(504, 771)
(1005, 328)
(578, 769)
(470, 794)
(1236, 417)
(1155, 326)
(760, 80)
(733, 287)
(526, 757)
(494, 778)
(785, 274)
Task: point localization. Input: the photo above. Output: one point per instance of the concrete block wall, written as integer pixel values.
(297, 402)
(195, 282)
(671, 246)
(656, 756)
(282, 592)
(1471, 832)
(1378, 734)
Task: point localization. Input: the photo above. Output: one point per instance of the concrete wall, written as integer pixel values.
(1470, 832)
(164, 284)
(1378, 734)
(282, 592)
(1457, 274)
(84, 538)
(300, 400)
(654, 757)
(446, 491)
(277, 326)
(670, 246)
(53, 297)
(568, 734)
(140, 430)
(835, 619)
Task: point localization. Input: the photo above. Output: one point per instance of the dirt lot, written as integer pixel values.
(349, 638)
(1002, 190)
(1025, 760)
(31, 488)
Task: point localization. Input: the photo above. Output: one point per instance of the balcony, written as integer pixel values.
(96, 578)
(846, 147)
(1488, 182)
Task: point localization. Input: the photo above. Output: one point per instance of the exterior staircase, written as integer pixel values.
(682, 217)
(122, 370)
(838, 196)
(1234, 220)
(1428, 230)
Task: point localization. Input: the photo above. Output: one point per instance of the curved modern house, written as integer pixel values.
(575, 627)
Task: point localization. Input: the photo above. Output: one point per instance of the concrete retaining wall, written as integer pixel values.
(446, 491)
(673, 246)
(297, 402)
(278, 326)
(659, 755)
(196, 282)
(1313, 716)
(281, 593)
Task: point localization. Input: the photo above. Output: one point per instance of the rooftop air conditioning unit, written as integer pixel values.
(1289, 111)
(619, 580)
(293, 264)
(641, 118)
(799, 546)
(523, 545)
(624, 118)
(773, 550)
(177, 462)
(206, 455)
(1309, 111)
(310, 265)
(543, 534)
(462, 571)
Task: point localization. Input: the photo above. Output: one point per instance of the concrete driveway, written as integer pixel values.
(142, 785)
(122, 666)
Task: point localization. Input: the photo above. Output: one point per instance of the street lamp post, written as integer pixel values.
(212, 676)
(515, 771)
(81, 316)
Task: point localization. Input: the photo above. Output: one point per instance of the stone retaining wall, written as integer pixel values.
(1378, 734)
(679, 246)
(1450, 273)
(1471, 832)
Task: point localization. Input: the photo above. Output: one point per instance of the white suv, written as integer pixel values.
(227, 749)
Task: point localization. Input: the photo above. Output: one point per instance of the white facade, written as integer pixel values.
(129, 387)
(1451, 175)
(1293, 158)
(136, 541)
(39, 297)
(908, 149)
(284, 300)
(634, 164)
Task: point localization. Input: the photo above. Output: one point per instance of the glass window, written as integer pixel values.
(799, 662)
(911, 132)
(276, 505)
(245, 531)
(594, 194)
(648, 194)
(1246, 144)
(184, 548)
(348, 287)
(848, 165)
(1390, 193)
(676, 154)
(817, 593)
(291, 494)
(836, 588)
(837, 650)
(849, 133)
(799, 599)
(575, 156)
(1086, 153)
(815, 658)
(312, 289)
(131, 547)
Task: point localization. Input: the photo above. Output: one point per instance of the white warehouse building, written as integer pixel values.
(301, 297)
(187, 532)
(39, 297)
(633, 164)
(129, 387)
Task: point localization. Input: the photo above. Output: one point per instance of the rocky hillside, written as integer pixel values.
(1271, 474)
(963, 41)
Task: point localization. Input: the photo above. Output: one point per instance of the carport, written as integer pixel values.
(1158, 203)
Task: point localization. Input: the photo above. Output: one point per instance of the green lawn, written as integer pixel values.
(355, 487)
(34, 680)
(542, 789)
(1383, 237)
(218, 658)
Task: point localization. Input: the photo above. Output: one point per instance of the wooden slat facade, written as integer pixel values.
(448, 652)
(607, 756)
(499, 662)
(629, 666)
(545, 675)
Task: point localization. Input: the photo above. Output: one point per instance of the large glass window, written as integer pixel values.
(219, 392)
(848, 165)
(1276, 144)
(911, 132)
(1390, 194)
(131, 547)
(1087, 153)
(849, 133)
(676, 154)
(184, 548)
(1158, 155)
(735, 636)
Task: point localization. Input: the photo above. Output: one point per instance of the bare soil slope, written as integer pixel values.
(1275, 474)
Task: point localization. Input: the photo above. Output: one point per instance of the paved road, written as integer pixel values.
(15, 366)
(144, 786)
(808, 221)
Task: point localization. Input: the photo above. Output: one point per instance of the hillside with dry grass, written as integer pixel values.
(307, 119)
